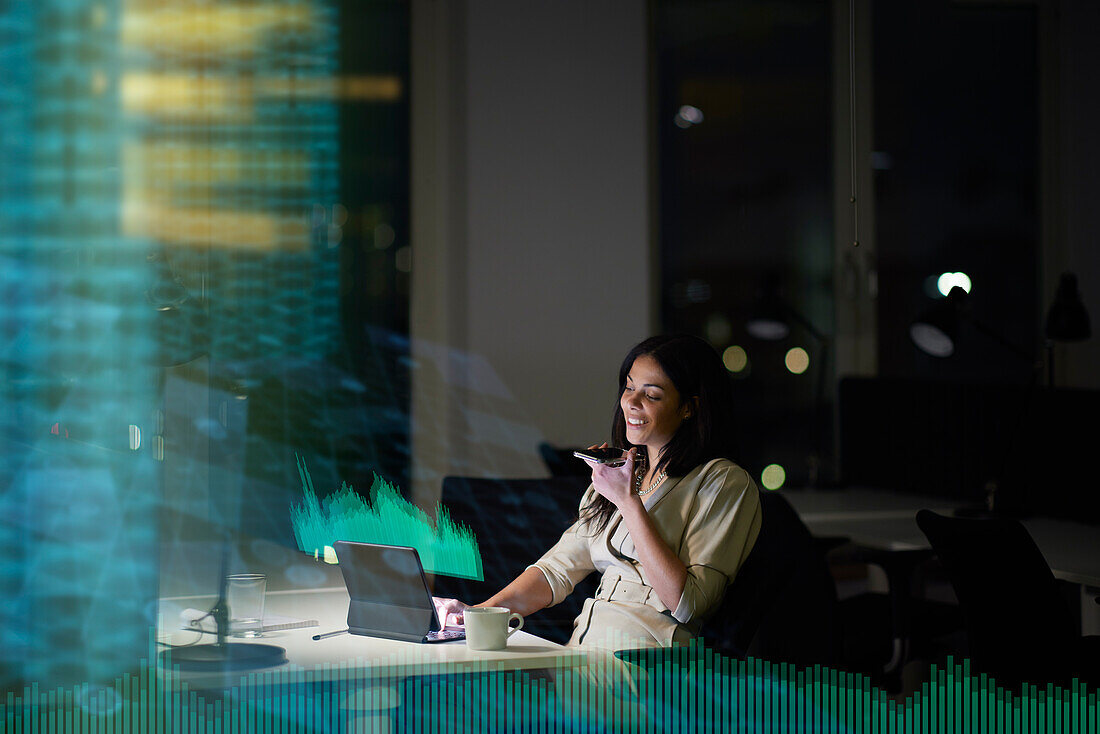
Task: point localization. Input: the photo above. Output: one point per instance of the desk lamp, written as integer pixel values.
(937, 329)
(935, 332)
(1067, 319)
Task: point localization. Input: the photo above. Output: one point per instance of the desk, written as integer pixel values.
(365, 674)
(885, 520)
(345, 655)
(374, 668)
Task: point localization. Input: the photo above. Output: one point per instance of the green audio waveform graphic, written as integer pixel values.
(691, 689)
(445, 547)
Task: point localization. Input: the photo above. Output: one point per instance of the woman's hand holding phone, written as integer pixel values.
(613, 481)
(602, 455)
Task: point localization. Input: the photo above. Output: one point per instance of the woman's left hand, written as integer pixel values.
(614, 482)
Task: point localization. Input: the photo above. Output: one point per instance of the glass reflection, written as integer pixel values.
(181, 260)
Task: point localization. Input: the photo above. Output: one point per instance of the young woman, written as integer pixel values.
(668, 529)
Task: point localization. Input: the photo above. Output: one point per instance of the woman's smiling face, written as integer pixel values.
(651, 405)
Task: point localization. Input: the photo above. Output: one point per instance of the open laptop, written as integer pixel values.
(389, 593)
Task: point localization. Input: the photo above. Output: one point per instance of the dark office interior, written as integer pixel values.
(411, 240)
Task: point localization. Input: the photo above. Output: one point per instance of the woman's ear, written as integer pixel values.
(689, 407)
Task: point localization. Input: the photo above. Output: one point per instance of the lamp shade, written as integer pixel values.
(768, 320)
(1067, 319)
(937, 329)
(768, 329)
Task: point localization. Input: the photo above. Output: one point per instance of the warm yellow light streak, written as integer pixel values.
(232, 99)
(372, 87)
(224, 29)
(208, 226)
(164, 166)
(187, 98)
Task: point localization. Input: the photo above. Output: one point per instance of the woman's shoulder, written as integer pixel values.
(721, 474)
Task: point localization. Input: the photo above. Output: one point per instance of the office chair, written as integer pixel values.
(782, 604)
(560, 462)
(1019, 626)
(883, 632)
(515, 522)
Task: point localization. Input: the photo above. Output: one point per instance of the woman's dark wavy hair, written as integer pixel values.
(698, 374)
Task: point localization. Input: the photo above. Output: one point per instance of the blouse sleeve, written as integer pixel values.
(570, 560)
(717, 538)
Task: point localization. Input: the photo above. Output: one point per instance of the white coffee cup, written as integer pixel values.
(488, 628)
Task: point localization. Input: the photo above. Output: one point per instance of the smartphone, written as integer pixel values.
(610, 456)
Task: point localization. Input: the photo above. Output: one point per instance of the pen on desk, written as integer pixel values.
(329, 634)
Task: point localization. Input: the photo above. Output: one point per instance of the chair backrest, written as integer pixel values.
(560, 461)
(515, 522)
(1018, 623)
(781, 605)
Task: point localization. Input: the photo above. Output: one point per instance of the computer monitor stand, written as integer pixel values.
(223, 656)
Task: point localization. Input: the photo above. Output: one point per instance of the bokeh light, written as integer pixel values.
(718, 329)
(383, 236)
(688, 116)
(773, 476)
(797, 360)
(947, 281)
(735, 358)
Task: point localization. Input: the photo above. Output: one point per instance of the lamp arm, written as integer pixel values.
(1008, 346)
(804, 322)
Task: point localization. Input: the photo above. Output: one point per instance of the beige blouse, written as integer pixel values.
(710, 518)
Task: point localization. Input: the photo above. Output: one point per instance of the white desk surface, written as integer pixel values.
(886, 520)
(856, 503)
(349, 656)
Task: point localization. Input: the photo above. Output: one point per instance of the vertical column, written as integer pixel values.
(438, 288)
(855, 273)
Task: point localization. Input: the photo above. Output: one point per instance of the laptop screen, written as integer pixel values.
(388, 590)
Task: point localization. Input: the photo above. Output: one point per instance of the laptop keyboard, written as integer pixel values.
(445, 635)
